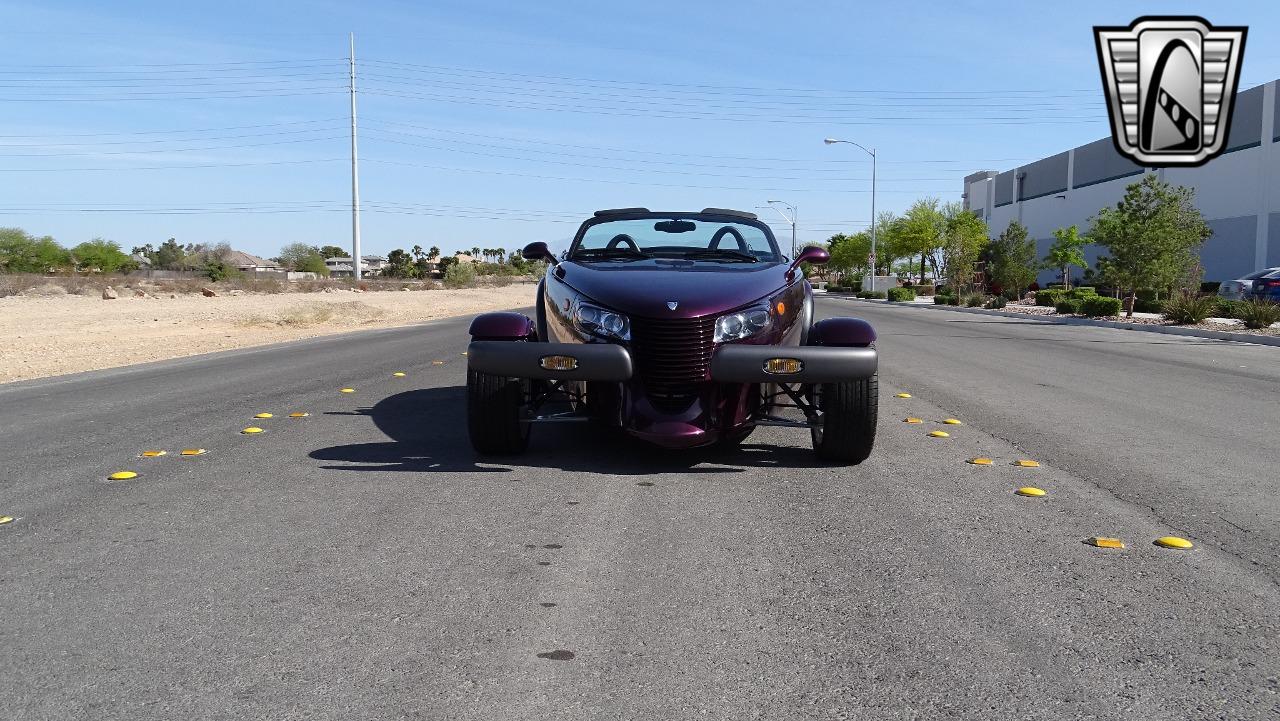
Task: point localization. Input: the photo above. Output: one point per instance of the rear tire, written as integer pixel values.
(493, 414)
(848, 426)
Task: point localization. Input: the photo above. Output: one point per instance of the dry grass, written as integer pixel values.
(314, 314)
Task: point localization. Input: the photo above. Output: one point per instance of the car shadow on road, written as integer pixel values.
(427, 433)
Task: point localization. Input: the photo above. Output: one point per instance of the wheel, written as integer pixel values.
(493, 414)
(540, 312)
(848, 427)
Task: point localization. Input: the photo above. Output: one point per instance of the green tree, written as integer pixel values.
(313, 264)
(850, 254)
(102, 255)
(399, 265)
(1067, 251)
(921, 230)
(295, 255)
(433, 253)
(963, 239)
(332, 251)
(1153, 234)
(1013, 260)
(447, 261)
(21, 252)
(169, 255)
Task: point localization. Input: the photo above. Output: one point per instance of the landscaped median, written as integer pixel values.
(1059, 307)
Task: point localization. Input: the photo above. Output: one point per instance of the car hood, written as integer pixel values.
(644, 289)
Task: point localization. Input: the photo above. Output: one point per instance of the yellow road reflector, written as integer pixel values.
(122, 475)
(5, 519)
(398, 374)
(193, 451)
(152, 454)
(1104, 542)
(1030, 491)
(939, 434)
(346, 390)
(980, 461)
(912, 420)
(299, 414)
(953, 422)
(1174, 542)
(251, 430)
(904, 395)
(263, 415)
(437, 363)
(1027, 464)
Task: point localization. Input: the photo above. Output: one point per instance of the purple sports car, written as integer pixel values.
(683, 329)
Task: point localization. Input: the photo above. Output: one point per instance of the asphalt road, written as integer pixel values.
(362, 563)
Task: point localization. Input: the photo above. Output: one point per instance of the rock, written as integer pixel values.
(140, 293)
(235, 292)
(404, 290)
(208, 292)
(173, 295)
(109, 293)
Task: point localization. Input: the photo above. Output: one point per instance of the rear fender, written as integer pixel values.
(842, 332)
(503, 326)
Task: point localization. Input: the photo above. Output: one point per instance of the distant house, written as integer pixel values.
(340, 267)
(465, 257)
(248, 263)
(142, 261)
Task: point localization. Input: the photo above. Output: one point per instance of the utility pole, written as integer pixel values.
(355, 172)
(790, 219)
(872, 153)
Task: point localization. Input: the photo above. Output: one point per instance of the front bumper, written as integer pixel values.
(732, 363)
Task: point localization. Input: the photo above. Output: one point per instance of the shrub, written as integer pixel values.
(923, 289)
(997, 302)
(1147, 306)
(1067, 306)
(460, 275)
(1049, 298)
(1188, 307)
(973, 300)
(1230, 308)
(1258, 313)
(944, 300)
(945, 290)
(1098, 306)
(1082, 292)
(901, 294)
(1210, 287)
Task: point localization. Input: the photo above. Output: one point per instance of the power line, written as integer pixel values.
(174, 167)
(191, 130)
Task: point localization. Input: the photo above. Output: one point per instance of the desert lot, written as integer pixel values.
(57, 334)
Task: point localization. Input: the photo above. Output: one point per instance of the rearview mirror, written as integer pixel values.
(675, 226)
(538, 251)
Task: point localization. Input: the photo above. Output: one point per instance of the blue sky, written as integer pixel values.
(493, 124)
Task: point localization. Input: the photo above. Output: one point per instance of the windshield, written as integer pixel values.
(710, 240)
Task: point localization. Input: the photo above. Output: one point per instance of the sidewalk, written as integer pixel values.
(927, 302)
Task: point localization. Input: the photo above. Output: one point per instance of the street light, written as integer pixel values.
(872, 153)
(791, 220)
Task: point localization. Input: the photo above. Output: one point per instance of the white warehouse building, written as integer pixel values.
(1238, 192)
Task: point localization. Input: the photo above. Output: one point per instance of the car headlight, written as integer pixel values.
(743, 324)
(601, 322)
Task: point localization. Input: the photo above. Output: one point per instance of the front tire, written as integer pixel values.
(847, 430)
(493, 414)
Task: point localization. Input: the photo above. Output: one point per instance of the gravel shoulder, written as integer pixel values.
(48, 336)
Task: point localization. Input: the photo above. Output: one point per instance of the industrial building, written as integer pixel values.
(1238, 192)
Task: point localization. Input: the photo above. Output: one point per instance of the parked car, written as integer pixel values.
(1267, 287)
(683, 329)
(1242, 288)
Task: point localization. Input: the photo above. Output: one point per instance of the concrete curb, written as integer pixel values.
(1163, 329)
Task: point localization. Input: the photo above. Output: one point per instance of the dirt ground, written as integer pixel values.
(53, 334)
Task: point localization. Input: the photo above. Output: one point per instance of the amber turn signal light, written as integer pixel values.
(783, 366)
(558, 362)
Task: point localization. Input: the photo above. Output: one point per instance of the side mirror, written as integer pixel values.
(811, 254)
(538, 251)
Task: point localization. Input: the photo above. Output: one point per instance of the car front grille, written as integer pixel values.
(672, 357)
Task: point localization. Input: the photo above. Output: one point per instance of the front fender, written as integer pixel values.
(504, 325)
(843, 332)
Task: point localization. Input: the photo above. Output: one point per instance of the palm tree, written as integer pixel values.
(433, 253)
(417, 251)
(501, 253)
(475, 252)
